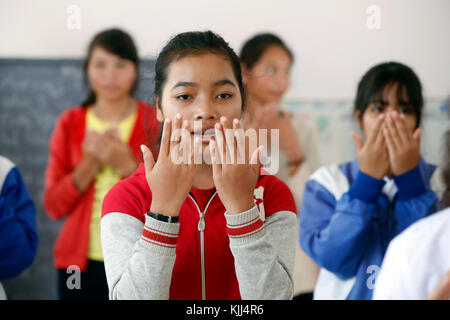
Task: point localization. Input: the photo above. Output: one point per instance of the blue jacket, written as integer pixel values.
(18, 235)
(348, 218)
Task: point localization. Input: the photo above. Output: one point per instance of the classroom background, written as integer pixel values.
(43, 44)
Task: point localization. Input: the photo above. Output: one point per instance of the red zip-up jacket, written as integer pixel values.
(208, 254)
(62, 199)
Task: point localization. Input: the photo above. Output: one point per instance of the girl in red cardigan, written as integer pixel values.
(92, 147)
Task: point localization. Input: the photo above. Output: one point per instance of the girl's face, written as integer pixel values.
(201, 88)
(111, 76)
(388, 104)
(269, 78)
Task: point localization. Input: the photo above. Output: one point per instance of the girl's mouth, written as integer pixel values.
(206, 135)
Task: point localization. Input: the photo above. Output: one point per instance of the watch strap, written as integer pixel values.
(161, 217)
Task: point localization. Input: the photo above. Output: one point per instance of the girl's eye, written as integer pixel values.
(377, 109)
(224, 96)
(100, 64)
(270, 71)
(406, 110)
(121, 64)
(183, 97)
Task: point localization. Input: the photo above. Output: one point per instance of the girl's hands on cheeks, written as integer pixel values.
(373, 157)
(403, 145)
(170, 181)
(235, 174)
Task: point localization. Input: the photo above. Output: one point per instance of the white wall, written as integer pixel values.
(330, 38)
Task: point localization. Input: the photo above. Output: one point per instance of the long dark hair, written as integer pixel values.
(373, 83)
(194, 43)
(254, 48)
(115, 41)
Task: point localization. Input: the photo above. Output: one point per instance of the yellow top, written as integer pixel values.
(105, 178)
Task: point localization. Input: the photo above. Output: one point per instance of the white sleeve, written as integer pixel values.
(263, 253)
(406, 269)
(139, 258)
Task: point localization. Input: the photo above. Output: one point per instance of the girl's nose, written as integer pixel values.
(205, 112)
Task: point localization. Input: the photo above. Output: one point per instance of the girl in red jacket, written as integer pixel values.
(92, 147)
(199, 229)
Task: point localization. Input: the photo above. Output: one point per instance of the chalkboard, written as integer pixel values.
(33, 93)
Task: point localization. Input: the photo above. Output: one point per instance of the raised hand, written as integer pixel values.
(170, 181)
(235, 173)
(269, 117)
(290, 143)
(263, 117)
(117, 154)
(403, 145)
(110, 150)
(373, 157)
(85, 171)
(91, 144)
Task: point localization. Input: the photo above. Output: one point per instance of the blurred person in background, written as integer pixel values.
(18, 230)
(266, 64)
(351, 211)
(93, 146)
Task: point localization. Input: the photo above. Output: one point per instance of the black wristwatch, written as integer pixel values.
(161, 217)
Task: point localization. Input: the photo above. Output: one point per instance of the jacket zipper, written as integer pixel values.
(201, 228)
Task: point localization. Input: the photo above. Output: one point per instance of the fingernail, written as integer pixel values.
(236, 121)
(167, 120)
(178, 116)
(143, 149)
